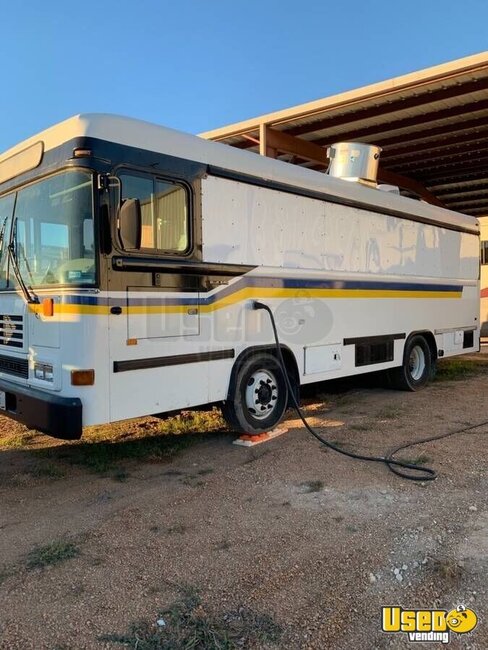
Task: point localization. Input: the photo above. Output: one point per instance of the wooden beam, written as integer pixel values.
(386, 176)
(295, 146)
(250, 138)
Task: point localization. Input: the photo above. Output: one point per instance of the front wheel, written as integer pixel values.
(418, 366)
(258, 395)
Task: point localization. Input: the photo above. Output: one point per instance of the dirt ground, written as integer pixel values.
(290, 544)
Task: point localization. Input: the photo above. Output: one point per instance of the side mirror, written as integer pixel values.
(130, 224)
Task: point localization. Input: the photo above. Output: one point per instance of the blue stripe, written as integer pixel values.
(267, 282)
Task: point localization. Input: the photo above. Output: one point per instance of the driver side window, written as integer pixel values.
(164, 211)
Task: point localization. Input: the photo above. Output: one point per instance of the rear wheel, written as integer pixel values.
(258, 395)
(417, 368)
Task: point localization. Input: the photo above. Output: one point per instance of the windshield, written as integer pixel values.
(50, 224)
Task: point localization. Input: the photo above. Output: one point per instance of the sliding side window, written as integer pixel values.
(164, 210)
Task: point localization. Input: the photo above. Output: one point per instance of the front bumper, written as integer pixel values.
(60, 417)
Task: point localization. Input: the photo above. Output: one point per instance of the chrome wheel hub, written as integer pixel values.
(261, 394)
(416, 363)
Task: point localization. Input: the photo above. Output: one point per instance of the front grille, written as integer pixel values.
(14, 366)
(12, 331)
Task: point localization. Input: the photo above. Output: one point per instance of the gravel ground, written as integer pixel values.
(287, 529)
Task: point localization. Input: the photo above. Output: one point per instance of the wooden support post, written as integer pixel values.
(265, 147)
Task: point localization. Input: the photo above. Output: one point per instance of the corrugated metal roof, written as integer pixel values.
(432, 126)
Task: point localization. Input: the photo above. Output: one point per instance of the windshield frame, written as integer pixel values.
(12, 284)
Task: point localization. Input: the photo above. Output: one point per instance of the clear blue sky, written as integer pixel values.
(196, 65)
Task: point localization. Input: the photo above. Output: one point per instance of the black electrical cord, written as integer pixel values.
(423, 441)
(423, 473)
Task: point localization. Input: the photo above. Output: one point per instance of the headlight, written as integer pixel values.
(43, 371)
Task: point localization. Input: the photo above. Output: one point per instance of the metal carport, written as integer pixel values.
(432, 126)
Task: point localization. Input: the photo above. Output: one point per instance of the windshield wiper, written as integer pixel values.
(30, 296)
(2, 236)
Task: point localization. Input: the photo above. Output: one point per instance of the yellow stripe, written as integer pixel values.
(260, 293)
(252, 293)
(72, 309)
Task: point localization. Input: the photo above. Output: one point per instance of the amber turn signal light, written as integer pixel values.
(82, 377)
(48, 307)
(81, 153)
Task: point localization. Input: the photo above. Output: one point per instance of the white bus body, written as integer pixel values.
(484, 276)
(154, 300)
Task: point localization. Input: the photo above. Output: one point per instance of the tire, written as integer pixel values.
(418, 367)
(258, 395)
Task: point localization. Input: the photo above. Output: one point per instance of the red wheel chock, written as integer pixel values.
(248, 440)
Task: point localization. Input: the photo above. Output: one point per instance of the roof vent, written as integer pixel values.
(354, 161)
